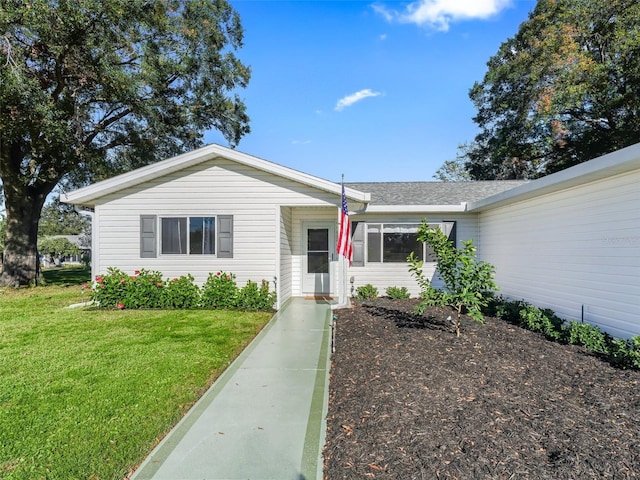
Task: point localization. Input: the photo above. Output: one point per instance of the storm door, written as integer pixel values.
(318, 255)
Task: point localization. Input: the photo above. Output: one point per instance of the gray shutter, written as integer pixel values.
(357, 241)
(225, 236)
(450, 232)
(148, 237)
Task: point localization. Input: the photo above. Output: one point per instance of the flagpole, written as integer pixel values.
(342, 264)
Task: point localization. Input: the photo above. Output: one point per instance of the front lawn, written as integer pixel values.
(88, 393)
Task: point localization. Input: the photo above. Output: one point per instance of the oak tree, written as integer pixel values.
(89, 89)
(565, 89)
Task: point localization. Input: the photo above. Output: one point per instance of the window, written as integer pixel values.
(188, 235)
(394, 242)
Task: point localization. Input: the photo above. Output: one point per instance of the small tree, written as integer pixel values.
(57, 247)
(468, 282)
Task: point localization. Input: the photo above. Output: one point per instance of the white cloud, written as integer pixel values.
(300, 142)
(355, 97)
(438, 14)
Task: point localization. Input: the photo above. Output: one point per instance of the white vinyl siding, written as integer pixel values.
(224, 187)
(383, 275)
(573, 251)
(286, 256)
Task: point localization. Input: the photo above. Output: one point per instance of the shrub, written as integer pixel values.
(220, 291)
(588, 336)
(543, 321)
(117, 289)
(143, 290)
(366, 292)
(619, 352)
(468, 282)
(254, 297)
(146, 289)
(397, 293)
(625, 353)
(509, 310)
(181, 293)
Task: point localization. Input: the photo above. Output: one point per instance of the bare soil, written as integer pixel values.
(410, 400)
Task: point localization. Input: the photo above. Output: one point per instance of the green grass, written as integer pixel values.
(88, 393)
(66, 276)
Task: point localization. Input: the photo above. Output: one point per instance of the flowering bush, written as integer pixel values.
(219, 291)
(146, 289)
(252, 297)
(180, 293)
(117, 289)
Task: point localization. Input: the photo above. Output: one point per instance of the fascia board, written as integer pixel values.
(88, 195)
(615, 163)
(411, 209)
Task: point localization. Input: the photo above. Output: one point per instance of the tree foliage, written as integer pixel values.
(468, 282)
(565, 89)
(89, 89)
(454, 170)
(57, 247)
(61, 219)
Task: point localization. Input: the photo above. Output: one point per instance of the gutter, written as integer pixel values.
(461, 208)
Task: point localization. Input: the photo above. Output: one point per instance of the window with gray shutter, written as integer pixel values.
(357, 242)
(148, 243)
(449, 228)
(225, 236)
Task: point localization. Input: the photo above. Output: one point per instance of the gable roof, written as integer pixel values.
(87, 196)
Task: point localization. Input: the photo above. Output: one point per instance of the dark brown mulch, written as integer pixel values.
(409, 400)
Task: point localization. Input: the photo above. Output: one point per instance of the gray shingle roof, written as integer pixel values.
(432, 193)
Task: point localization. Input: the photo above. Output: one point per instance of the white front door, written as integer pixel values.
(318, 256)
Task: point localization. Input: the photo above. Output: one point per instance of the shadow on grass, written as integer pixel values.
(66, 276)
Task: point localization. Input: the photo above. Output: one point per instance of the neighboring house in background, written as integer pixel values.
(216, 209)
(83, 242)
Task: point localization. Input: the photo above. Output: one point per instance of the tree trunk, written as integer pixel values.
(23, 208)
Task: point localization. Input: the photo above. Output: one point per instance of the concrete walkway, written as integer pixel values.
(264, 418)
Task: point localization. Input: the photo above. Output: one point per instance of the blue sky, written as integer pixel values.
(374, 90)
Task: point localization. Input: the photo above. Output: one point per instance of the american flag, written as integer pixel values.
(344, 246)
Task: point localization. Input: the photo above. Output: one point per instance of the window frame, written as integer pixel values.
(381, 233)
(188, 234)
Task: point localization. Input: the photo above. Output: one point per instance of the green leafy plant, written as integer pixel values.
(366, 292)
(397, 293)
(220, 291)
(146, 289)
(117, 289)
(508, 310)
(588, 336)
(180, 293)
(254, 297)
(541, 320)
(468, 282)
(625, 353)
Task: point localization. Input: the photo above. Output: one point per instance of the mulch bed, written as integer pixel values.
(410, 400)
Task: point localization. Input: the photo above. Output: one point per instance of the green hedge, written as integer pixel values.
(148, 289)
(619, 352)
